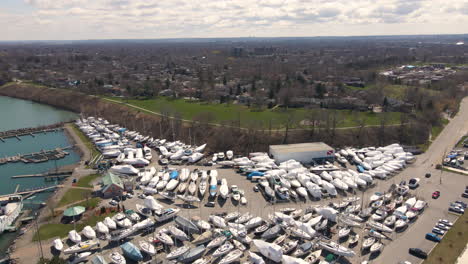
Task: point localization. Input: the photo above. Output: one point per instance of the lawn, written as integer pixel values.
(48, 231)
(86, 142)
(74, 195)
(229, 113)
(86, 180)
(452, 245)
(435, 130)
(396, 91)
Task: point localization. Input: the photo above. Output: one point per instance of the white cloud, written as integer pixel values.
(85, 19)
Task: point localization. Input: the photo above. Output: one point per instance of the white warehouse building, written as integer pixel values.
(302, 152)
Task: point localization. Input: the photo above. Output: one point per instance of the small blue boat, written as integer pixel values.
(131, 251)
(254, 173)
(174, 174)
(213, 190)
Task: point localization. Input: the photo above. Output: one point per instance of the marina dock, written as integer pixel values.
(30, 192)
(37, 157)
(17, 133)
(45, 175)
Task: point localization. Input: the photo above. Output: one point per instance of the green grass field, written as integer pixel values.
(452, 245)
(74, 195)
(396, 91)
(228, 113)
(86, 180)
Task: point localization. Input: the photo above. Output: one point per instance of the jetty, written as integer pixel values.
(37, 157)
(29, 192)
(17, 133)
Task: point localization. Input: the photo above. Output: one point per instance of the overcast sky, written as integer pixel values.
(129, 19)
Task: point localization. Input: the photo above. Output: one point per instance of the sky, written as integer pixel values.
(153, 19)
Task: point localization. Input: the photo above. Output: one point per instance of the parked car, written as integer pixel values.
(210, 204)
(445, 222)
(255, 188)
(428, 175)
(435, 195)
(418, 253)
(113, 202)
(457, 210)
(433, 237)
(438, 231)
(129, 195)
(465, 194)
(442, 226)
(462, 204)
(414, 183)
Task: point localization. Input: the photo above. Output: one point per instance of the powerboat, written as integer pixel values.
(202, 187)
(111, 224)
(272, 232)
(255, 259)
(379, 226)
(232, 216)
(143, 224)
(218, 221)
(188, 198)
(224, 189)
(303, 249)
(216, 242)
(168, 195)
(292, 260)
(314, 256)
(344, 232)
(353, 239)
(202, 224)
(376, 247)
(192, 189)
(288, 247)
(143, 210)
(164, 238)
(147, 247)
(117, 258)
(81, 257)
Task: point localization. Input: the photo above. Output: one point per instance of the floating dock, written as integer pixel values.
(37, 157)
(58, 174)
(29, 192)
(17, 133)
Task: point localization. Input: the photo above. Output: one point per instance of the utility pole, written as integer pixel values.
(39, 236)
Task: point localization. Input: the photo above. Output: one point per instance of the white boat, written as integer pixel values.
(74, 236)
(202, 224)
(161, 185)
(314, 256)
(254, 222)
(400, 223)
(379, 215)
(124, 169)
(218, 241)
(206, 236)
(297, 232)
(336, 249)
(314, 190)
(147, 247)
(117, 258)
(217, 221)
(288, 247)
(326, 176)
(368, 242)
(200, 148)
(224, 189)
(144, 224)
(302, 192)
(379, 226)
(327, 212)
(292, 260)
(390, 220)
(194, 176)
(182, 187)
(239, 245)
(243, 200)
(233, 256)
(269, 250)
(255, 259)
(125, 223)
(376, 196)
(172, 184)
(202, 187)
(349, 182)
(376, 234)
(178, 234)
(411, 214)
(188, 198)
(376, 247)
(223, 249)
(177, 252)
(111, 224)
(89, 232)
(353, 239)
(81, 257)
(314, 221)
(82, 246)
(339, 184)
(164, 238)
(184, 174)
(57, 244)
(229, 154)
(344, 232)
(330, 188)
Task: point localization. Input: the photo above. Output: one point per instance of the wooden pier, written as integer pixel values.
(45, 175)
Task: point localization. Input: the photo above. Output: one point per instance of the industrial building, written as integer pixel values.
(303, 152)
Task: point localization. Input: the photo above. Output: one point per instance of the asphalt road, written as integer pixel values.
(449, 184)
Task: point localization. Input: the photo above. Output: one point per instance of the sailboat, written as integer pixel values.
(368, 242)
(224, 189)
(178, 234)
(147, 247)
(233, 256)
(117, 258)
(202, 187)
(177, 252)
(186, 224)
(192, 187)
(223, 249)
(192, 254)
(292, 260)
(336, 249)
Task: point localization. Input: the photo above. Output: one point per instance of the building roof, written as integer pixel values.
(300, 147)
(110, 179)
